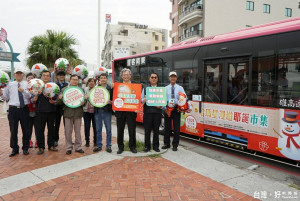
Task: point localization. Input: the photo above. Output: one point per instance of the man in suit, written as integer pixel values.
(172, 94)
(152, 117)
(59, 108)
(18, 98)
(123, 117)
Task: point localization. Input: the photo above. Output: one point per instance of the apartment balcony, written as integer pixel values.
(191, 35)
(190, 14)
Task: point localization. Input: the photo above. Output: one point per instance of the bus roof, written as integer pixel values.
(250, 32)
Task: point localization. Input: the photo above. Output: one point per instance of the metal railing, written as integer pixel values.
(190, 34)
(190, 10)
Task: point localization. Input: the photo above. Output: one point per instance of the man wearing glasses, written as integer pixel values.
(152, 118)
(18, 98)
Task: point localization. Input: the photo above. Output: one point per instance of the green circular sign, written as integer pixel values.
(73, 97)
(99, 96)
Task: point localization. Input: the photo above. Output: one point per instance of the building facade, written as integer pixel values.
(200, 18)
(125, 39)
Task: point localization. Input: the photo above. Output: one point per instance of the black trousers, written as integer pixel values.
(175, 117)
(88, 118)
(31, 126)
(152, 121)
(16, 115)
(130, 118)
(59, 114)
(41, 119)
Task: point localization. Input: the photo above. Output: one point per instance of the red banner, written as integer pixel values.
(127, 97)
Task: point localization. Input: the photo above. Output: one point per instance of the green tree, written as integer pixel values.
(52, 45)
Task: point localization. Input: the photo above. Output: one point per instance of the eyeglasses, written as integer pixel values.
(153, 77)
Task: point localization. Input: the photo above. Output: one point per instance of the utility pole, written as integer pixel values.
(99, 35)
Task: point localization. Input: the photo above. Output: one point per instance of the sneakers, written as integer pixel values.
(41, 151)
(35, 144)
(30, 144)
(108, 149)
(97, 149)
(52, 149)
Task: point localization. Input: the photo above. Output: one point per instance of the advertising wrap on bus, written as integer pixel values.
(269, 130)
(243, 86)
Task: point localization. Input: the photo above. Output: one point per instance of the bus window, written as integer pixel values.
(144, 75)
(187, 78)
(263, 79)
(213, 83)
(237, 89)
(288, 80)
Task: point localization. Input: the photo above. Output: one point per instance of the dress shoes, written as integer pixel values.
(13, 153)
(133, 150)
(174, 148)
(79, 151)
(52, 149)
(146, 149)
(25, 152)
(156, 149)
(108, 149)
(97, 149)
(41, 151)
(166, 146)
(68, 152)
(120, 151)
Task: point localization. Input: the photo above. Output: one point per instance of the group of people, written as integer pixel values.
(38, 111)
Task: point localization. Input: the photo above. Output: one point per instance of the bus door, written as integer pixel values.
(225, 81)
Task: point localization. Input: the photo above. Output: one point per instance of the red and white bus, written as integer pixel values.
(249, 81)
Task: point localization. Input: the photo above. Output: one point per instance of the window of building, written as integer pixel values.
(156, 47)
(163, 38)
(267, 8)
(173, 2)
(173, 20)
(146, 32)
(156, 37)
(162, 47)
(173, 39)
(133, 53)
(288, 12)
(250, 5)
(119, 42)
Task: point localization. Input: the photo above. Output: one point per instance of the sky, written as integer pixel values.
(24, 19)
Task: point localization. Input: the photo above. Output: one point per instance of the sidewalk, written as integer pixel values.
(181, 175)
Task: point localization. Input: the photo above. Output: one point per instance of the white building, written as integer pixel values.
(125, 39)
(200, 18)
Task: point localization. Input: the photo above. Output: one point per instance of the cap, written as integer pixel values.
(172, 73)
(19, 70)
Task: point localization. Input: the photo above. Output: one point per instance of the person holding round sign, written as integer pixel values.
(101, 98)
(45, 114)
(88, 115)
(73, 98)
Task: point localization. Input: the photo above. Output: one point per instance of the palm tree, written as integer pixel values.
(51, 46)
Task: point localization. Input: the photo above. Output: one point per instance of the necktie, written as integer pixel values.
(173, 92)
(21, 99)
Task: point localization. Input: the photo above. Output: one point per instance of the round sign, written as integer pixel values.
(73, 96)
(99, 96)
(118, 102)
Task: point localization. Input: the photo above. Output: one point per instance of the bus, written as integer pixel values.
(248, 81)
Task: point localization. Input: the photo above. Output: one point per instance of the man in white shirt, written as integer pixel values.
(18, 96)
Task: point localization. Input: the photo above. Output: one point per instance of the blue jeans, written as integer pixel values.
(106, 117)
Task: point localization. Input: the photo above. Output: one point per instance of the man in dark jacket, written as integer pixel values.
(104, 115)
(59, 108)
(45, 114)
(152, 117)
